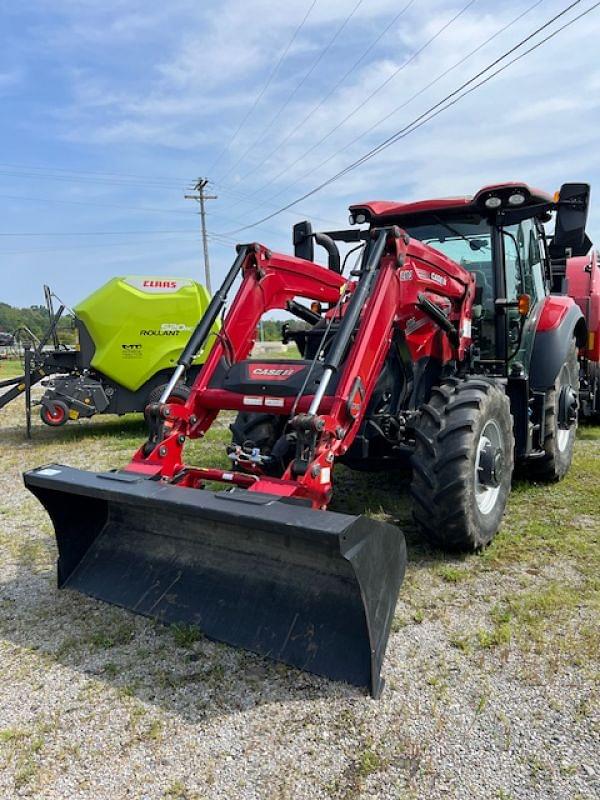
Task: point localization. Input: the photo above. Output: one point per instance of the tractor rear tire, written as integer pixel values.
(559, 441)
(463, 463)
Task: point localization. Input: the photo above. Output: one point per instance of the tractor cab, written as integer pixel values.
(498, 235)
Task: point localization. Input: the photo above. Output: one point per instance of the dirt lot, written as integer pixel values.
(492, 668)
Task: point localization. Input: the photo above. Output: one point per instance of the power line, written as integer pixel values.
(407, 102)
(94, 233)
(333, 89)
(220, 241)
(293, 93)
(84, 179)
(120, 175)
(369, 97)
(428, 115)
(243, 196)
(260, 95)
(51, 201)
(446, 102)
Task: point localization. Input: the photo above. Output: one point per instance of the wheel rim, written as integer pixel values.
(562, 438)
(489, 467)
(566, 412)
(55, 416)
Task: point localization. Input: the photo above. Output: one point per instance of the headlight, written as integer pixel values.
(493, 202)
(516, 199)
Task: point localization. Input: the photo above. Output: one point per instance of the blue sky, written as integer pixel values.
(110, 110)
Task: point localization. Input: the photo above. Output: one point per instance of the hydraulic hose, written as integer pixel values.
(203, 328)
(349, 320)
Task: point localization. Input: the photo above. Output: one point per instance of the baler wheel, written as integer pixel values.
(55, 414)
(463, 463)
(561, 424)
(180, 393)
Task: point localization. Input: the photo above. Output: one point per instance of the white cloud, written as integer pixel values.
(159, 89)
(11, 80)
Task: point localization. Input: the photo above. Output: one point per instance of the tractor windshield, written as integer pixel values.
(468, 242)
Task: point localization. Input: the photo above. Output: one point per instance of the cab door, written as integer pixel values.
(525, 275)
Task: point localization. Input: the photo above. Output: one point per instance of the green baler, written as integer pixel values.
(130, 334)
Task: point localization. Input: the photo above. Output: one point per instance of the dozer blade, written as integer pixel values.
(314, 589)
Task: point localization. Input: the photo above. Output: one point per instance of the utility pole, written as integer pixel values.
(200, 187)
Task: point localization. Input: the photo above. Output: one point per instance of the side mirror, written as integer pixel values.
(571, 219)
(304, 244)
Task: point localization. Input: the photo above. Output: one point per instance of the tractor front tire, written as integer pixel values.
(561, 424)
(258, 430)
(463, 463)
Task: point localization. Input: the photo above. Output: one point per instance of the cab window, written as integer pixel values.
(523, 239)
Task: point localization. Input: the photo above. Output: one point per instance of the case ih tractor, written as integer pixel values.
(443, 348)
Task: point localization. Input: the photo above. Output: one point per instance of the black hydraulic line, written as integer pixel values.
(51, 332)
(437, 315)
(302, 312)
(350, 235)
(50, 308)
(332, 251)
(357, 301)
(203, 328)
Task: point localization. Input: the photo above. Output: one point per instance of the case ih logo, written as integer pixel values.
(273, 372)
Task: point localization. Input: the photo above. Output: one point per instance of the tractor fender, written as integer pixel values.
(560, 322)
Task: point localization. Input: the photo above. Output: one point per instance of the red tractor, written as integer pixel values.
(443, 348)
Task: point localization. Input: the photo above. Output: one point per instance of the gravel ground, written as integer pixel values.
(492, 668)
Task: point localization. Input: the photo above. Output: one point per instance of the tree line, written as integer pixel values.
(35, 318)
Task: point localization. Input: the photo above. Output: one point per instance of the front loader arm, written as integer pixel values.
(269, 281)
(361, 368)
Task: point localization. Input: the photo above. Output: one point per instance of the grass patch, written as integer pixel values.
(451, 574)
(10, 368)
(178, 791)
(499, 635)
(155, 730)
(368, 762)
(185, 635)
(23, 747)
(106, 638)
(11, 735)
(462, 643)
